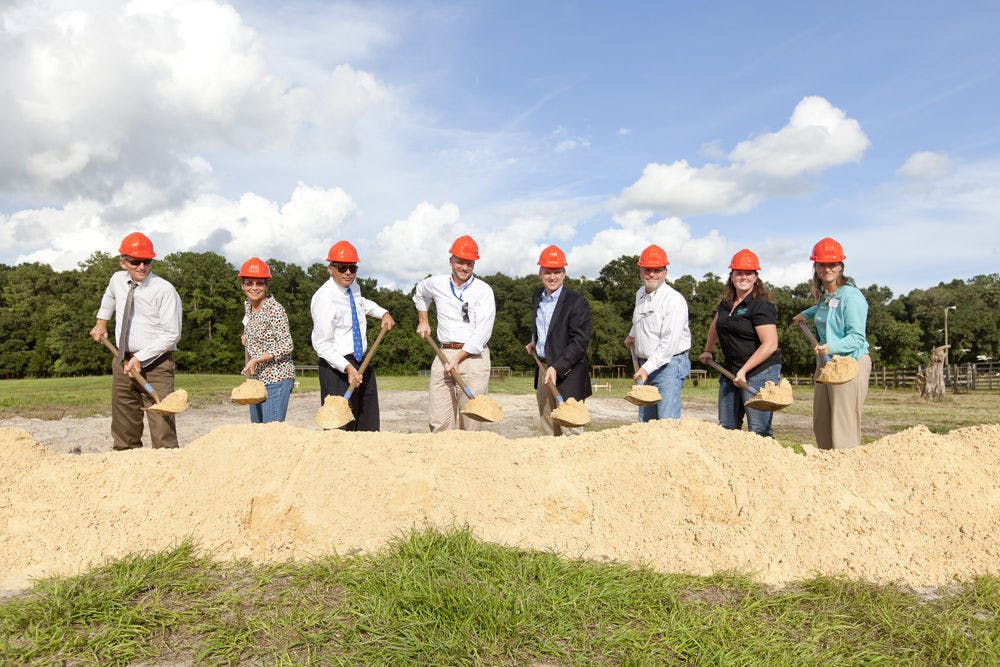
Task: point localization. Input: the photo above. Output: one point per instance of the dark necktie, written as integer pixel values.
(359, 350)
(126, 322)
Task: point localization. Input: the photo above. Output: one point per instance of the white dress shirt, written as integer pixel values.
(474, 297)
(332, 336)
(156, 315)
(660, 326)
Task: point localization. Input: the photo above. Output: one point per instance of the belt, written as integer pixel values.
(452, 346)
(684, 353)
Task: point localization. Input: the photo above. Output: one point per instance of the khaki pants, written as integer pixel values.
(837, 410)
(128, 398)
(447, 399)
(546, 404)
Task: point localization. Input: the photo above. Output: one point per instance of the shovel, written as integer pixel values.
(637, 396)
(572, 414)
(757, 403)
(841, 370)
(157, 408)
(483, 408)
(336, 411)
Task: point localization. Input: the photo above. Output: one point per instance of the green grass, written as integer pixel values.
(436, 598)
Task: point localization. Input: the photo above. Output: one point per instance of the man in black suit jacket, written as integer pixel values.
(560, 337)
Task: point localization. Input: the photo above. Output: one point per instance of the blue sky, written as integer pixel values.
(275, 129)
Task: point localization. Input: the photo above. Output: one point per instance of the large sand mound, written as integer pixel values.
(687, 496)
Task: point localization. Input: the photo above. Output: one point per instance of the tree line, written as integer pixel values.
(45, 316)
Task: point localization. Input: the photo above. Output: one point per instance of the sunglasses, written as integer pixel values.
(255, 283)
(465, 312)
(136, 262)
(345, 268)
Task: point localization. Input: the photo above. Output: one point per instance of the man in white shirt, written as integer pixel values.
(465, 313)
(661, 336)
(339, 337)
(147, 311)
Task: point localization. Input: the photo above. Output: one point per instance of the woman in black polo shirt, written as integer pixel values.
(746, 328)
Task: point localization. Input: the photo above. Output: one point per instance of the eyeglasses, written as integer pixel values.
(345, 268)
(136, 262)
(465, 312)
(255, 283)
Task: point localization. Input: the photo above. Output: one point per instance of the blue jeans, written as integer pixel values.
(276, 406)
(732, 399)
(668, 378)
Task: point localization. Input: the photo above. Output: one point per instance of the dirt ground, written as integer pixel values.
(401, 411)
(678, 495)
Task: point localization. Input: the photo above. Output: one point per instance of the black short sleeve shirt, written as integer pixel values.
(737, 335)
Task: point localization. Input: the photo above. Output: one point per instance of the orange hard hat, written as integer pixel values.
(828, 251)
(653, 257)
(255, 268)
(137, 245)
(465, 248)
(745, 260)
(552, 257)
(342, 251)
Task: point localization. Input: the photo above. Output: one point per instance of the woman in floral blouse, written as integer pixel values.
(268, 342)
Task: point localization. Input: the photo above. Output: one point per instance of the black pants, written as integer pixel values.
(364, 399)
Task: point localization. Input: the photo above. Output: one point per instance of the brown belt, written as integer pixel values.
(452, 346)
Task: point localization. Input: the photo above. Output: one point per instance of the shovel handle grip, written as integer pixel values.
(367, 360)
(719, 367)
(812, 339)
(552, 387)
(635, 362)
(454, 371)
(136, 375)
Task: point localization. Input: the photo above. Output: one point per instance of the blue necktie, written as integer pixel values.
(359, 350)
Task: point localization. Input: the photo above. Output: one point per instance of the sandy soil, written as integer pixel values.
(680, 496)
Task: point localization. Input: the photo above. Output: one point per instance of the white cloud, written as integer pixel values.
(143, 91)
(925, 166)
(300, 230)
(818, 136)
(411, 248)
(635, 230)
(685, 190)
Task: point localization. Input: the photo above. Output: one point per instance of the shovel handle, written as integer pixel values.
(719, 367)
(367, 360)
(136, 375)
(454, 371)
(635, 362)
(555, 390)
(812, 339)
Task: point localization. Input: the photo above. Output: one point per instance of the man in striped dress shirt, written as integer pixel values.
(147, 311)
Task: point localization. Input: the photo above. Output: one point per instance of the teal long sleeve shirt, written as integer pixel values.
(840, 321)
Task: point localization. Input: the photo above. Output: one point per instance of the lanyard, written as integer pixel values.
(461, 292)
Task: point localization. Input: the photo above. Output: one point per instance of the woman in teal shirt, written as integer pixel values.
(839, 316)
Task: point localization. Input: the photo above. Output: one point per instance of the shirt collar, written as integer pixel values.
(552, 297)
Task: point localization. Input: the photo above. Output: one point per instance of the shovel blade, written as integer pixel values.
(335, 413)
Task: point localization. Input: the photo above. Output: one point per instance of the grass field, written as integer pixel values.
(437, 598)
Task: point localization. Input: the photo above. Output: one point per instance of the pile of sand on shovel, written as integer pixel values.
(571, 413)
(483, 408)
(250, 392)
(839, 370)
(336, 412)
(772, 396)
(643, 394)
(175, 401)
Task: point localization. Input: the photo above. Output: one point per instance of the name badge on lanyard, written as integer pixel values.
(834, 302)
